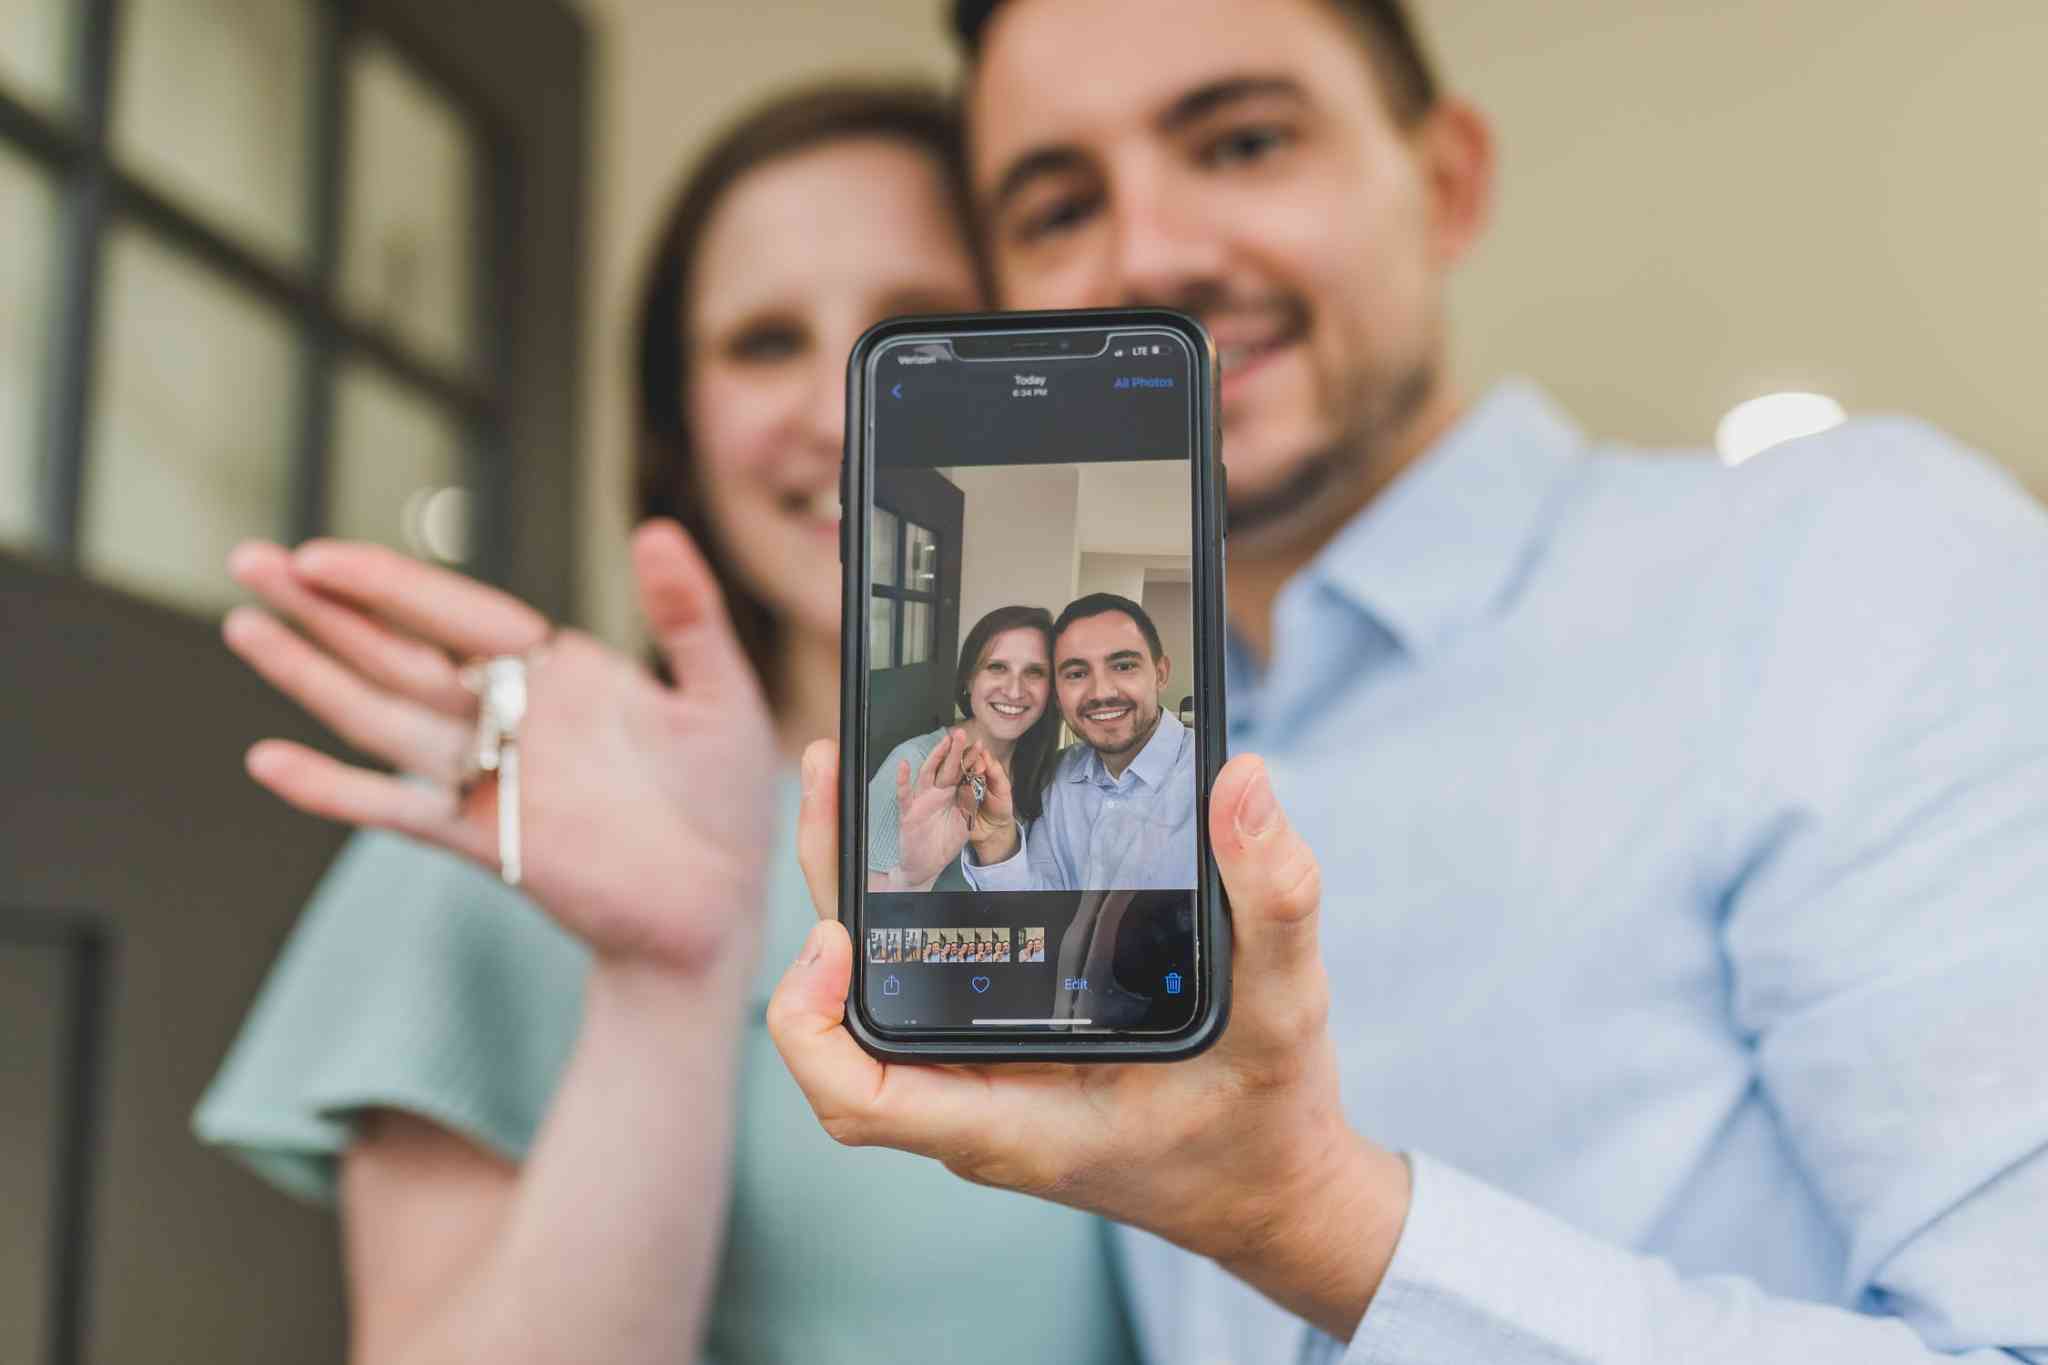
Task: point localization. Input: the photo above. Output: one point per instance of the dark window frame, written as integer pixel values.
(516, 395)
(85, 944)
(902, 595)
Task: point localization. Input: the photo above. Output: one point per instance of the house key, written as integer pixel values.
(500, 685)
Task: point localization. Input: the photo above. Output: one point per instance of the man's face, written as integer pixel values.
(1109, 683)
(1236, 159)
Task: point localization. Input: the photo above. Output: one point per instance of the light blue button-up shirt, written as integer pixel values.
(1131, 832)
(1684, 835)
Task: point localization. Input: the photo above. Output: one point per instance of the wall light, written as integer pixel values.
(1755, 426)
(436, 523)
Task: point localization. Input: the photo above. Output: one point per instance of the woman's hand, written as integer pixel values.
(933, 810)
(992, 822)
(646, 811)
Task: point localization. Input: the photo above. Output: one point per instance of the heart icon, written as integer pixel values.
(980, 984)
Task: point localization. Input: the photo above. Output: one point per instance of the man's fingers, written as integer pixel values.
(686, 613)
(400, 731)
(459, 614)
(933, 1111)
(817, 826)
(997, 777)
(327, 787)
(1274, 884)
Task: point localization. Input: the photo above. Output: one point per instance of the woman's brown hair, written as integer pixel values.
(667, 481)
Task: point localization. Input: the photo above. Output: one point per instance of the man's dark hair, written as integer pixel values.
(1102, 604)
(1391, 40)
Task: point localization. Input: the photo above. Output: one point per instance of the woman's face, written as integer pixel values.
(800, 257)
(1011, 688)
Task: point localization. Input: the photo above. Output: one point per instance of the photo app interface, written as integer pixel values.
(1031, 828)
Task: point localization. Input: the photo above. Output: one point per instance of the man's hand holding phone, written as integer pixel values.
(1241, 1153)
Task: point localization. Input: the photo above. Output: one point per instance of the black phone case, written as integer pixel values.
(1213, 940)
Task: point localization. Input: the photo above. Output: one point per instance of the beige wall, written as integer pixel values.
(1170, 604)
(1019, 538)
(1123, 575)
(1698, 203)
(1135, 507)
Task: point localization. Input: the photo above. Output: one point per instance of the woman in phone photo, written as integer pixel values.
(928, 785)
(551, 1117)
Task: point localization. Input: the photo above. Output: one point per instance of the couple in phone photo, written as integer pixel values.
(994, 803)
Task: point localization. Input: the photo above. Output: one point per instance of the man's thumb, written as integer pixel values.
(1274, 883)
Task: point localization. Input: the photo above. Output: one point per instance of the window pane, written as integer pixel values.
(882, 548)
(191, 426)
(211, 102)
(408, 245)
(28, 206)
(35, 48)
(881, 633)
(917, 632)
(396, 473)
(923, 566)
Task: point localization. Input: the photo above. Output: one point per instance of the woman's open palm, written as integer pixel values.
(933, 808)
(646, 810)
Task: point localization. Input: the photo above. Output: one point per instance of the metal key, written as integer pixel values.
(501, 706)
(508, 812)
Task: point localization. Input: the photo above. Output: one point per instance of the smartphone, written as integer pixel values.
(1032, 697)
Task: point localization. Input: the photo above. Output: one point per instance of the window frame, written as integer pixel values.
(903, 596)
(517, 397)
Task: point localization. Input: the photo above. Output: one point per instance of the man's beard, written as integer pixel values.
(1354, 458)
(1139, 734)
(1360, 455)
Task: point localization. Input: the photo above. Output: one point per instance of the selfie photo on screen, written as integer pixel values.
(1059, 762)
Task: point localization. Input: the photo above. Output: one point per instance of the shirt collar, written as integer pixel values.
(1154, 763)
(1448, 539)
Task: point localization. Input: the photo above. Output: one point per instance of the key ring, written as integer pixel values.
(499, 685)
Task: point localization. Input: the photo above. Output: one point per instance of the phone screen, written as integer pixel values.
(1031, 740)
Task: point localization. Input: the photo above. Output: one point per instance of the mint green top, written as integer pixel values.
(415, 981)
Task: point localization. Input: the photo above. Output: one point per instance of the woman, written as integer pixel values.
(1003, 687)
(565, 1135)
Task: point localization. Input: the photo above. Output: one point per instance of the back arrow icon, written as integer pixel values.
(896, 391)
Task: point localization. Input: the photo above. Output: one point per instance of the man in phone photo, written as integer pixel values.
(1639, 894)
(1120, 809)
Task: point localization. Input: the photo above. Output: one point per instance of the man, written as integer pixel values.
(1684, 829)
(1120, 809)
